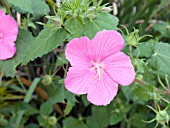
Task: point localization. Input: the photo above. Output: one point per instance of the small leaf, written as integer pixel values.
(115, 118)
(46, 108)
(68, 108)
(139, 64)
(58, 93)
(144, 92)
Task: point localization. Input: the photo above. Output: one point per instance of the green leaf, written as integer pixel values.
(32, 125)
(61, 60)
(71, 122)
(144, 92)
(23, 44)
(46, 108)
(68, 108)
(100, 117)
(74, 26)
(163, 28)
(115, 118)
(145, 49)
(46, 41)
(101, 22)
(35, 7)
(139, 64)
(31, 89)
(137, 120)
(58, 93)
(161, 58)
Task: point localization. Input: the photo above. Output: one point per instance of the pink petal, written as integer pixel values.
(7, 51)
(79, 80)
(8, 35)
(77, 52)
(2, 13)
(107, 42)
(102, 91)
(120, 68)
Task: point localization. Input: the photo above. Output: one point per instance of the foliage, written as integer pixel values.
(32, 92)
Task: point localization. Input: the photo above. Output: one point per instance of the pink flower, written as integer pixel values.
(98, 66)
(8, 35)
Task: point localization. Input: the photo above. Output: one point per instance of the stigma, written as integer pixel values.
(98, 67)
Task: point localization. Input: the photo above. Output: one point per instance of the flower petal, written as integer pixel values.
(7, 50)
(2, 13)
(102, 91)
(79, 80)
(8, 28)
(120, 68)
(107, 42)
(77, 52)
(8, 35)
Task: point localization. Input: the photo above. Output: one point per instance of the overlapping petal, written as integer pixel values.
(107, 42)
(78, 52)
(8, 35)
(102, 92)
(79, 80)
(120, 68)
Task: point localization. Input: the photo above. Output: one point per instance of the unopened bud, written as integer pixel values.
(52, 120)
(162, 117)
(46, 80)
(133, 38)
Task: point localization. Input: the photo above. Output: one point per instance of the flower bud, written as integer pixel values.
(133, 38)
(46, 80)
(52, 120)
(162, 117)
(106, 9)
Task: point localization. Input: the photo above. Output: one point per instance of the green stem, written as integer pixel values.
(160, 82)
(130, 49)
(52, 4)
(94, 2)
(166, 79)
(23, 87)
(7, 7)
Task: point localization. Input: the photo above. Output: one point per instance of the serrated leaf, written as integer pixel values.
(23, 44)
(101, 22)
(74, 26)
(46, 41)
(35, 7)
(161, 58)
(144, 92)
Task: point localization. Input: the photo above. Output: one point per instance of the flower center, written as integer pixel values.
(99, 68)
